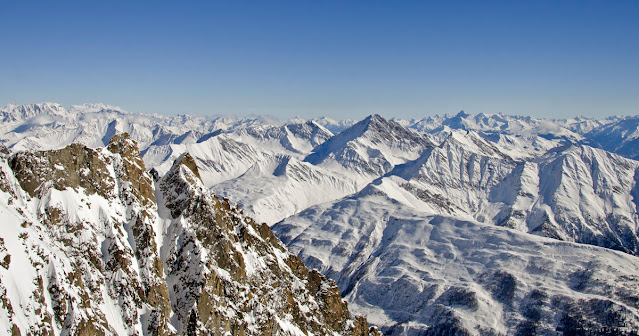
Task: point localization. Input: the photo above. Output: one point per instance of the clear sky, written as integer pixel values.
(341, 59)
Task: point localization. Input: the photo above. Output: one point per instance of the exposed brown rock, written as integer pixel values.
(15, 331)
(4, 150)
(133, 169)
(74, 166)
(188, 161)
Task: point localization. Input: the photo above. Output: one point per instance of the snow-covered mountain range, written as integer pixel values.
(484, 224)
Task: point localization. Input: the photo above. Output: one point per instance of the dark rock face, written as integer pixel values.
(502, 285)
(107, 257)
(75, 166)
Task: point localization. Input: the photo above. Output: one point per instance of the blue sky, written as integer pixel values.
(342, 59)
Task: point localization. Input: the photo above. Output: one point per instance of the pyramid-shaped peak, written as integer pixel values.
(122, 144)
(378, 124)
(188, 161)
(462, 114)
(378, 128)
(372, 133)
(313, 124)
(375, 118)
(120, 138)
(375, 122)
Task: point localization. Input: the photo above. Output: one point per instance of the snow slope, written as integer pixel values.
(415, 273)
(273, 190)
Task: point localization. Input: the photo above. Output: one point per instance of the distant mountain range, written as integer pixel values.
(466, 225)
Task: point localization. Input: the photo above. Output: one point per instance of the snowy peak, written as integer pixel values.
(187, 160)
(590, 196)
(458, 121)
(310, 131)
(181, 183)
(461, 115)
(378, 129)
(373, 146)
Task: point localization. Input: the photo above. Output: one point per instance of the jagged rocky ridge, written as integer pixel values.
(91, 244)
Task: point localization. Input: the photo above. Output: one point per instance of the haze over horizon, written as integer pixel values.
(336, 59)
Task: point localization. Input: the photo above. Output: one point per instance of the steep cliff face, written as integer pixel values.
(91, 245)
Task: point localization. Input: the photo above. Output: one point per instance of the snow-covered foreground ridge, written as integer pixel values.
(450, 224)
(92, 244)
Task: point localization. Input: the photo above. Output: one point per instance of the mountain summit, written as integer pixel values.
(372, 147)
